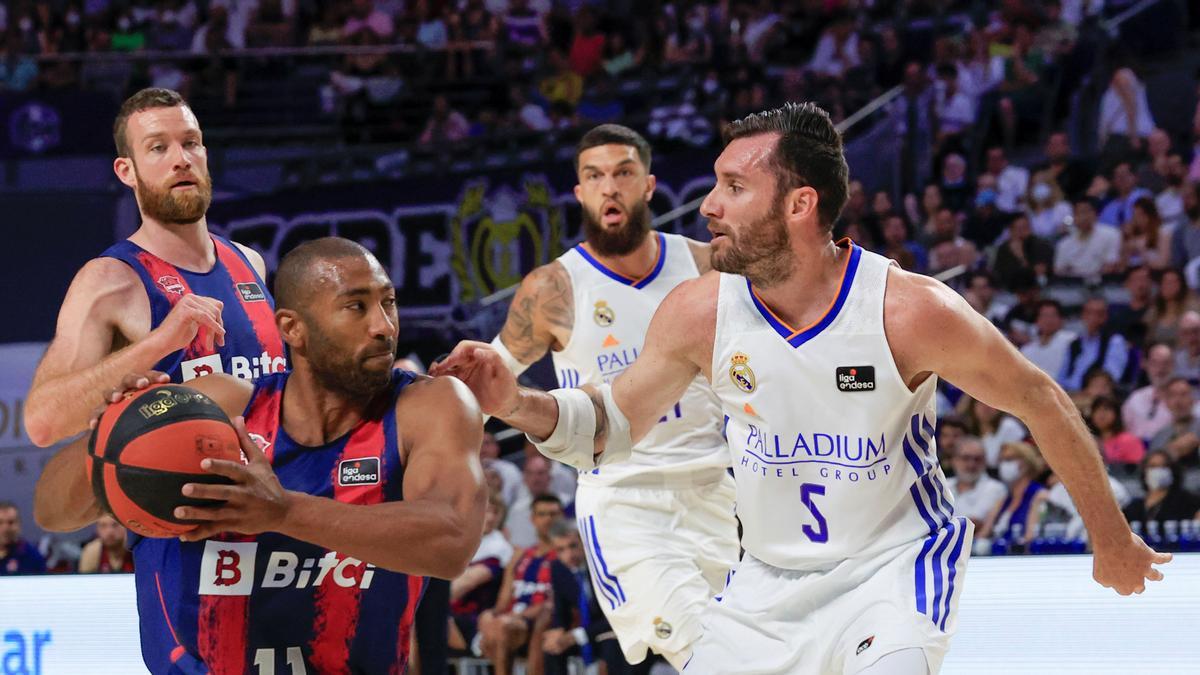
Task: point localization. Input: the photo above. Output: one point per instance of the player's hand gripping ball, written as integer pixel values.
(146, 446)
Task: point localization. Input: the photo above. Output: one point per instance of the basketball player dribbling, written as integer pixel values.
(173, 297)
(853, 560)
(361, 480)
(659, 526)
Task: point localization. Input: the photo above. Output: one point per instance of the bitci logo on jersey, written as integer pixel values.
(856, 378)
(363, 471)
(227, 568)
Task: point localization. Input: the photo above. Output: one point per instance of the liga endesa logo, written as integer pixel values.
(227, 568)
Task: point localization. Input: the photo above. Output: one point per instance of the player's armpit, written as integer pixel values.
(541, 314)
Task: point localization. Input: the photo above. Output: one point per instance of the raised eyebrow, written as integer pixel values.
(590, 167)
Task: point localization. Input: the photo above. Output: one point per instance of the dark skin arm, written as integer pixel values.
(433, 532)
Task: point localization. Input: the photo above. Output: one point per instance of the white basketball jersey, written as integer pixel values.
(834, 455)
(612, 315)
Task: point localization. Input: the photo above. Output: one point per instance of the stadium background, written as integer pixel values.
(440, 135)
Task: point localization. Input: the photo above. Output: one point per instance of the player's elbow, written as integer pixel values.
(39, 424)
(458, 548)
(1045, 398)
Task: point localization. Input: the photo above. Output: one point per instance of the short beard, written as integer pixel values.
(765, 258)
(621, 241)
(166, 207)
(341, 372)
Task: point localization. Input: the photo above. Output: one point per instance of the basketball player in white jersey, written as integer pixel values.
(659, 526)
(854, 563)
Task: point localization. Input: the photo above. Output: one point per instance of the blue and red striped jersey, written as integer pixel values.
(252, 344)
(273, 605)
(531, 579)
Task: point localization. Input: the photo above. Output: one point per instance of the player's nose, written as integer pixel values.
(708, 206)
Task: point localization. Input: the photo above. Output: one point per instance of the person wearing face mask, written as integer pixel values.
(976, 494)
(1020, 465)
(1181, 437)
(1048, 210)
(1166, 499)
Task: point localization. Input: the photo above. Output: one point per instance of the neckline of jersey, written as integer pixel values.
(194, 273)
(796, 337)
(629, 281)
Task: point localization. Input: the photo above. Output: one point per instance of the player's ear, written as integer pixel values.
(578, 193)
(126, 173)
(651, 183)
(291, 327)
(802, 203)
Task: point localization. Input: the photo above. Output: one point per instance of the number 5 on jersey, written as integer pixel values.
(820, 535)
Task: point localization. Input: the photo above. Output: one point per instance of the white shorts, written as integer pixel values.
(657, 557)
(838, 621)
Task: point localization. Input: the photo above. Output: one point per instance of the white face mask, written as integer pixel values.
(1010, 470)
(1159, 478)
(970, 476)
(1041, 192)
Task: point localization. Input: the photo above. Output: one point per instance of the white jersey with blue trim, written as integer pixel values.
(612, 315)
(834, 455)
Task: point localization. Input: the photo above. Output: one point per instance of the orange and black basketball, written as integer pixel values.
(146, 447)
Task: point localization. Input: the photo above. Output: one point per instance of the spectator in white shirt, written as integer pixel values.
(510, 475)
(981, 295)
(1048, 350)
(837, 50)
(955, 109)
(1145, 411)
(1048, 211)
(975, 492)
(993, 427)
(537, 482)
(1187, 356)
(1011, 181)
(1089, 251)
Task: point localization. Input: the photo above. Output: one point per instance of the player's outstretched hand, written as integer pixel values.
(191, 315)
(129, 384)
(256, 502)
(1125, 566)
(481, 368)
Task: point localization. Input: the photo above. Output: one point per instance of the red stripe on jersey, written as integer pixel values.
(337, 607)
(404, 637)
(262, 317)
(221, 638)
(262, 420)
(173, 286)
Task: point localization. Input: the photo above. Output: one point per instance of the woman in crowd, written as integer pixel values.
(1119, 446)
(1166, 499)
(1020, 465)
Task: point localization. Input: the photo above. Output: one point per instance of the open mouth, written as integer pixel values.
(183, 185)
(611, 215)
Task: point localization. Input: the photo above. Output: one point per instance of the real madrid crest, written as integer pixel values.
(603, 315)
(740, 372)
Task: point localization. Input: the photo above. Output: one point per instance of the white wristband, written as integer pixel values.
(510, 361)
(573, 440)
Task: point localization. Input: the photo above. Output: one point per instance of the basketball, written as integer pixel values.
(146, 447)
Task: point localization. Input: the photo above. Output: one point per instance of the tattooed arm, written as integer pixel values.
(702, 254)
(541, 314)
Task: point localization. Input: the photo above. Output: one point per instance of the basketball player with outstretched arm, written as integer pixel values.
(659, 525)
(361, 480)
(825, 358)
(173, 297)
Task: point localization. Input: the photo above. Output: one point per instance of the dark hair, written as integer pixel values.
(1152, 232)
(985, 275)
(614, 134)
(292, 281)
(1049, 302)
(1110, 403)
(808, 153)
(6, 505)
(1175, 379)
(146, 99)
(562, 528)
(1085, 199)
(545, 499)
(952, 421)
(1176, 471)
(1134, 270)
(1095, 372)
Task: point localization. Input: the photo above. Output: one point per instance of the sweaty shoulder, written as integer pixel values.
(438, 405)
(229, 392)
(702, 254)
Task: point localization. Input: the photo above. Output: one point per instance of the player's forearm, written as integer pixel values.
(63, 499)
(535, 413)
(1070, 450)
(422, 537)
(62, 406)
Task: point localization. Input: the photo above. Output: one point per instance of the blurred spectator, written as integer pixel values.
(1097, 346)
(1119, 209)
(837, 50)
(470, 25)
(270, 26)
(364, 16)
(688, 41)
(510, 475)
(601, 103)
(1097, 383)
(537, 481)
(1166, 499)
(1021, 253)
(981, 295)
(1125, 118)
(1185, 242)
(1020, 465)
(1187, 353)
(976, 494)
(17, 556)
(955, 108)
(951, 429)
(18, 71)
(1049, 212)
(1152, 170)
(1173, 300)
(1119, 446)
(1089, 250)
(1145, 412)
(1181, 437)
(478, 587)
(986, 223)
(432, 32)
(106, 553)
(587, 45)
(1012, 181)
(1048, 350)
(1169, 200)
(949, 248)
(364, 86)
(1130, 318)
(619, 57)
(1070, 174)
(529, 115)
(908, 254)
(1022, 97)
(445, 125)
(327, 30)
(993, 427)
(523, 30)
(956, 189)
(561, 85)
(508, 627)
(576, 625)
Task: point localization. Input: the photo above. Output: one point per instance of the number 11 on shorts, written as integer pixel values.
(264, 659)
(820, 535)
